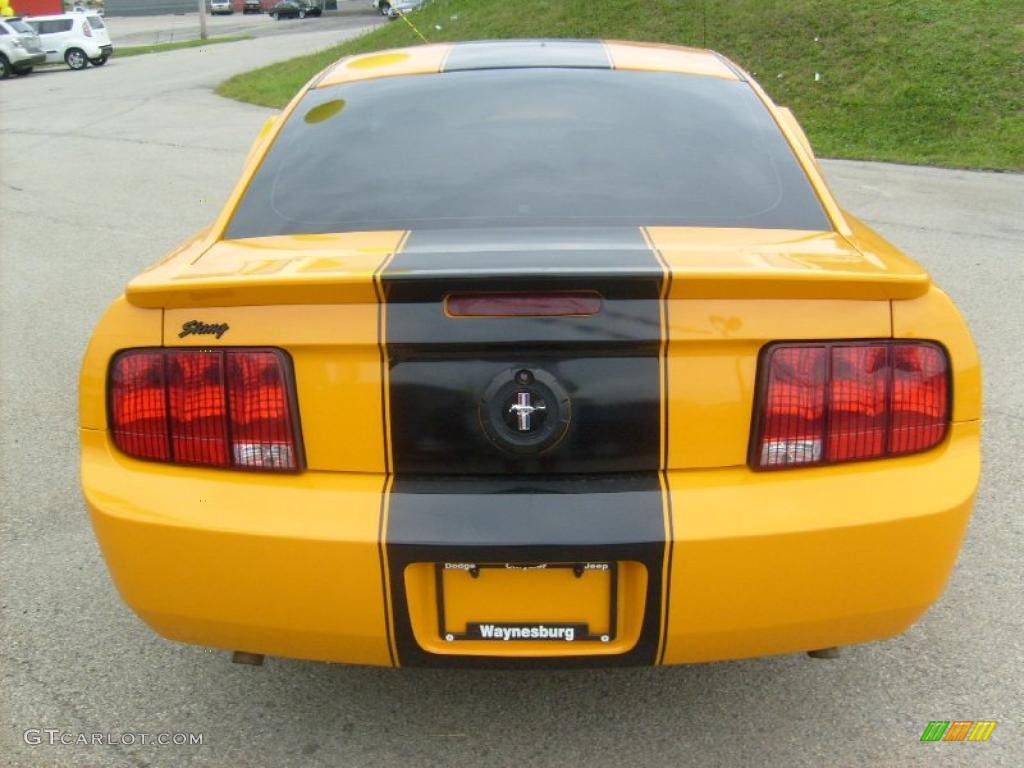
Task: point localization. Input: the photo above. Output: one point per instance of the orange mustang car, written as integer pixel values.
(531, 353)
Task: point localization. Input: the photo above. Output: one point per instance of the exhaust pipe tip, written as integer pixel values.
(244, 657)
(831, 652)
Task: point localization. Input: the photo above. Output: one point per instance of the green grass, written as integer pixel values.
(938, 82)
(138, 50)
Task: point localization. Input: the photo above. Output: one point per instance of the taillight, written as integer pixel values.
(825, 402)
(220, 408)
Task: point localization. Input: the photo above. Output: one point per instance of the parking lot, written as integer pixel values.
(146, 30)
(104, 170)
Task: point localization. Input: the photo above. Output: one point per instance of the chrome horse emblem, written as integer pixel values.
(523, 409)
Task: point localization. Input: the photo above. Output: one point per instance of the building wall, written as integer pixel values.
(148, 7)
(37, 7)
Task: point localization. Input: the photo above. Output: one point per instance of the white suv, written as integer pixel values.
(74, 38)
(19, 47)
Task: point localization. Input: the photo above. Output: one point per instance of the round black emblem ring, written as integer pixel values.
(525, 410)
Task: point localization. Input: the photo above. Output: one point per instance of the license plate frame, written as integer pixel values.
(556, 631)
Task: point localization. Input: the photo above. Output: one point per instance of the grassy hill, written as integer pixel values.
(917, 81)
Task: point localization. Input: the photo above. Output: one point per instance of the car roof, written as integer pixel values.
(519, 54)
(72, 16)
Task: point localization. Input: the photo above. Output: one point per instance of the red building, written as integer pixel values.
(37, 7)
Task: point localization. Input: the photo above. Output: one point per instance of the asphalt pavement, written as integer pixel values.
(169, 28)
(104, 170)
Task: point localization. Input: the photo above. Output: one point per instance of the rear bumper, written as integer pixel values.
(754, 563)
(91, 49)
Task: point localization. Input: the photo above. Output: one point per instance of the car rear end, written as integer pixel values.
(95, 30)
(21, 45)
(632, 414)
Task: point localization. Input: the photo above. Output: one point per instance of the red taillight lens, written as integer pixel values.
(794, 409)
(199, 429)
(858, 409)
(222, 408)
(138, 405)
(920, 397)
(261, 430)
(822, 403)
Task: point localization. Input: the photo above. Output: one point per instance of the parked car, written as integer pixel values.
(313, 7)
(294, 9)
(77, 39)
(397, 7)
(20, 48)
(222, 7)
(252, 6)
(628, 387)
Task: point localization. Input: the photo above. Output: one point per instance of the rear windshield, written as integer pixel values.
(95, 22)
(528, 147)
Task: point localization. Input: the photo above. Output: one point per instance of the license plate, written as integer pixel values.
(538, 602)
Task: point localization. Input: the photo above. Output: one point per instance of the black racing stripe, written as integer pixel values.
(440, 366)
(519, 54)
(526, 519)
(596, 494)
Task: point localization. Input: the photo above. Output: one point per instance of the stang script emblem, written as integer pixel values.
(197, 328)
